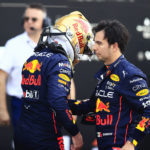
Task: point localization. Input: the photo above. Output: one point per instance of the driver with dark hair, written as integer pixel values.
(121, 99)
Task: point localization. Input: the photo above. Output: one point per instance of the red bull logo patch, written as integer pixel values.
(100, 106)
(79, 35)
(142, 124)
(31, 80)
(104, 121)
(83, 24)
(32, 66)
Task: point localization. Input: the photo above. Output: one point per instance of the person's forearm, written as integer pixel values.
(4, 115)
(3, 103)
(65, 118)
(79, 107)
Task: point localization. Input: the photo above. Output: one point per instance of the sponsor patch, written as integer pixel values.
(46, 54)
(115, 77)
(100, 106)
(63, 86)
(103, 93)
(64, 77)
(110, 85)
(31, 94)
(65, 71)
(144, 98)
(142, 92)
(138, 86)
(136, 80)
(32, 66)
(146, 104)
(104, 121)
(100, 134)
(64, 65)
(63, 82)
(31, 80)
(142, 124)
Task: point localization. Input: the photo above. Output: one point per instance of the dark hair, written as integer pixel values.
(38, 6)
(114, 31)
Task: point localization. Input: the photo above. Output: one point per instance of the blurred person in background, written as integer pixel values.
(17, 50)
(46, 80)
(121, 99)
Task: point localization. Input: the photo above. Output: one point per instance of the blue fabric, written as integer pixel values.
(121, 101)
(16, 107)
(46, 78)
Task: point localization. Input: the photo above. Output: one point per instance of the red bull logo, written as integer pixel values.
(31, 80)
(104, 121)
(32, 66)
(83, 24)
(142, 124)
(79, 35)
(100, 106)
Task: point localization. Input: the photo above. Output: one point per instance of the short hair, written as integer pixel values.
(114, 31)
(38, 6)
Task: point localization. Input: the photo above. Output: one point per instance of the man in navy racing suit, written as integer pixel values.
(121, 100)
(46, 78)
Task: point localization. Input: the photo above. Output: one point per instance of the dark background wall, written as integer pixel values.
(135, 14)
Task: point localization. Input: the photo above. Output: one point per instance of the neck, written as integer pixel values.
(113, 58)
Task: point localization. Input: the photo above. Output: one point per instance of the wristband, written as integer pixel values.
(133, 141)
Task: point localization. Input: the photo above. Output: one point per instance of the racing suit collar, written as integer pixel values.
(107, 69)
(114, 64)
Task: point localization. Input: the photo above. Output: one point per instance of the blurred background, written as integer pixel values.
(135, 14)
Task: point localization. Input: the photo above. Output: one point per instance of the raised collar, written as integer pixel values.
(104, 70)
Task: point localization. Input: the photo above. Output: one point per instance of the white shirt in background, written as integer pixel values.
(16, 51)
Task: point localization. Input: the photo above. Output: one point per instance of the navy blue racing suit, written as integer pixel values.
(121, 103)
(46, 78)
